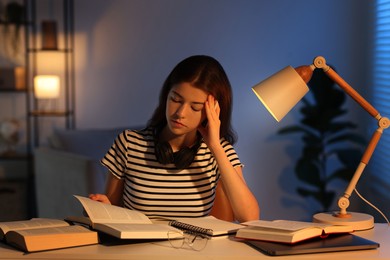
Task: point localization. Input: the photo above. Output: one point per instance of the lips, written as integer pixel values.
(177, 124)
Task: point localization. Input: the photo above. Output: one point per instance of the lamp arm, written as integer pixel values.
(319, 62)
(343, 201)
(383, 123)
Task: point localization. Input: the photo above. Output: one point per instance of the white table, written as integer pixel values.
(217, 248)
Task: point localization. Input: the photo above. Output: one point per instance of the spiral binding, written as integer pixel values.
(195, 230)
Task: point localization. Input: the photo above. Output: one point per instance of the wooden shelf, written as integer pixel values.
(23, 23)
(12, 90)
(50, 113)
(36, 50)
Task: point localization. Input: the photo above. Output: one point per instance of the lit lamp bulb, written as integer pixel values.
(46, 86)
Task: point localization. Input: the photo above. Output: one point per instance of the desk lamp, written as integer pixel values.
(282, 91)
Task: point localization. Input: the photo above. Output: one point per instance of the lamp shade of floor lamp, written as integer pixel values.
(49, 35)
(46, 86)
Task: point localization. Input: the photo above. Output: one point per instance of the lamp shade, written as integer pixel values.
(281, 92)
(49, 35)
(46, 86)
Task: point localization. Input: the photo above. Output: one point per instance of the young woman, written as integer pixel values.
(183, 163)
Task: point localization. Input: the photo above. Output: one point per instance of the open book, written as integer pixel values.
(287, 231)
(125, 223)
(121, 222)
(45, 234)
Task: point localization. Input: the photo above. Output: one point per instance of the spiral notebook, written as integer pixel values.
(207, 226)
(334, 243)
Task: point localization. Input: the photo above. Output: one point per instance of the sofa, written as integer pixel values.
(70, 165)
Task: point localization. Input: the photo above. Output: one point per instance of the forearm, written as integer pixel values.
(243, 203)
(114, 189)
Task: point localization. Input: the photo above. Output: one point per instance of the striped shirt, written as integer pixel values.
(159, 190)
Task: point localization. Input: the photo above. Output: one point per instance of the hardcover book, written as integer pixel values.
(41, 234)
(287, 231)
(130, 224)
(120, 222)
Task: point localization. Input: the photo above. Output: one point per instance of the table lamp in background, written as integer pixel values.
(46, 91)
(282, 91)
(46, 86)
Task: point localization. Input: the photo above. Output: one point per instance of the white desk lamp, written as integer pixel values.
(283, 90)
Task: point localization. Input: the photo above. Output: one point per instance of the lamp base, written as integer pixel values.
(358, 221)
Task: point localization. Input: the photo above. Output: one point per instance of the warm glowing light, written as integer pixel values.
(46, 86)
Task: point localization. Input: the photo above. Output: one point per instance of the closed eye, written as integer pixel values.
(177, 98)
(197, 107)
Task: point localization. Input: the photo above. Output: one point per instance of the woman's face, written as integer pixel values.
(185, 108)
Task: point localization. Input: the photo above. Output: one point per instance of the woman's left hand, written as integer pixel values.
(210, 131)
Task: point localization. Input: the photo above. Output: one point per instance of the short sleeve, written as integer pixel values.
(115, 159)
(231, 153)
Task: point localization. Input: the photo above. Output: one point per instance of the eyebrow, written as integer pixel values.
(195, 103)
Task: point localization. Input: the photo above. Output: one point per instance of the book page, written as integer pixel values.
(31, 240)
(286, 225)
(55, 230)
(29, 224)
(139, 231)
(100, 212)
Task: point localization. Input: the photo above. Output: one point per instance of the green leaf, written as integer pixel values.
(340, 126)
(312, 140)
(327, 199)
(292, 129)
(312, 152)
(306, 193)
(344, 174)
(349, 157)
(308, 172)
(351, 137)
(324, 198)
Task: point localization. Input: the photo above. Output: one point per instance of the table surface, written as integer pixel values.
(217, 248)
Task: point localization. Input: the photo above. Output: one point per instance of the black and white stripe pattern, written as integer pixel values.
(163, 190)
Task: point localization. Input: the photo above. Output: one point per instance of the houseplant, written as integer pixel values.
(327, 138)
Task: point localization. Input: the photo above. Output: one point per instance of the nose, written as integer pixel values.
(181, 110)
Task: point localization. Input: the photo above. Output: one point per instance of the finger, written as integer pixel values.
(216, 104)
(217, 108)
(98, 197)
(92, 196)
(211, 105)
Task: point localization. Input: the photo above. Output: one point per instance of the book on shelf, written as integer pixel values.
(39, 234)
(131, 224)
(288, 231)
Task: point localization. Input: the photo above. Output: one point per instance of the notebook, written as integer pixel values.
(334, 243)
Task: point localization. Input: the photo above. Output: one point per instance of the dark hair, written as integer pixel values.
(205, 73)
